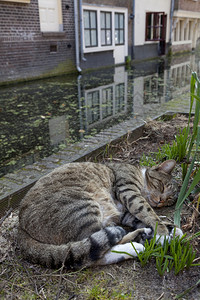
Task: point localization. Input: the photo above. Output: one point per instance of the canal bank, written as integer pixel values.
(13, 186)
(104, 108)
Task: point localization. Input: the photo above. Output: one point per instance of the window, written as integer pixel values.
(152, 90)
(50, 15)
(155, 26)
(106, 31)
(107, 102)
(93, 103)
(119, 97)
(119, 29)
(90, 28)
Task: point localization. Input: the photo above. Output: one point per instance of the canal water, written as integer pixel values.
(41, 117)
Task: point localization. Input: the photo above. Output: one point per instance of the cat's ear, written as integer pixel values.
(167, 166)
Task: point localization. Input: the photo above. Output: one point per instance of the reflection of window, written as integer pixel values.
(107, 102)
(106, 32)
(155, 26)
(119, 97)
(58, 130)
(153, 90)
(90, 28)
(119, 29)
(93, 107)
(180, 75)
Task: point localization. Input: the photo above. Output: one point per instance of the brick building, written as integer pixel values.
(41, 38)
(36, 41)
(186, 25)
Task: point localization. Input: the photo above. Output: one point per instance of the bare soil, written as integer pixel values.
(126, 280)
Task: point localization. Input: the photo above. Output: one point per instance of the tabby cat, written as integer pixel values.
(76, 215)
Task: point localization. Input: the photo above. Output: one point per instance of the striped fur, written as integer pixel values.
(76, 214)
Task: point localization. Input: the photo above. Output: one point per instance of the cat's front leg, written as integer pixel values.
(173, 231)
(140, 209)
(139, 235)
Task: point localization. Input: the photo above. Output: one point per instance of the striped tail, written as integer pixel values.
(73, 255)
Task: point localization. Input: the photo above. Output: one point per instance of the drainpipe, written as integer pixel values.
(76, 36)
(132, 17)
(171, 21)
(81, 29)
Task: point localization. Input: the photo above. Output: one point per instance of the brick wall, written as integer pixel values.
(24, 51)
(189, 5)
(181, 48)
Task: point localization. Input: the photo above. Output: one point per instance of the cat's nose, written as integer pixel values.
(156, 202)
(161, 203)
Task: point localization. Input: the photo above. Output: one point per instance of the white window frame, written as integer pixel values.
(112, 10)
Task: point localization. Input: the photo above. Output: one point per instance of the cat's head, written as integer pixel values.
(160, 189)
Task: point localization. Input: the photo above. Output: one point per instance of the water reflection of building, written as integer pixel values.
(60, 112)
(102, 104)
(153, 90)
(162, 85)
(149, 92)
(181, 69)
(180, 75)
(105, 102)
(58, 129)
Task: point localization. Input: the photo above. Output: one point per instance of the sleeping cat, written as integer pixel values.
(80, 212)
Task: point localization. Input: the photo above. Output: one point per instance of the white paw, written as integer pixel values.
(129, 249)
(148, 231)
(178, 232)
(127, 252)
(161, 238)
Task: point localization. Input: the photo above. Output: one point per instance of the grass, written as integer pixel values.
(185, 149)
(177, 255)
(148, 161)
(101, 292)
(180, 296)
(193, 141)
(177, 150)
(186, 145)
(20, 280)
